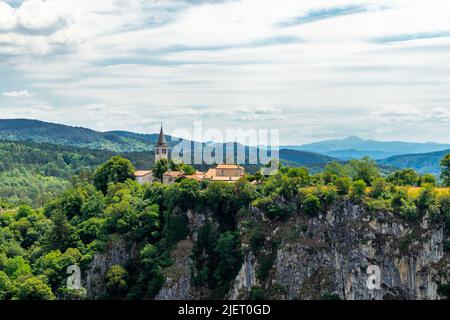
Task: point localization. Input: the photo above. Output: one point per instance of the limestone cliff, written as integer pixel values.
(327, 257)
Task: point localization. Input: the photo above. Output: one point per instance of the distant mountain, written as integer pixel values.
(358, 154)
(355, 147)
(45, 132)
(313, 161)
(421, 162)
(134, 144)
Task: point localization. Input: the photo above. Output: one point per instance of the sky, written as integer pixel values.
(313, 69)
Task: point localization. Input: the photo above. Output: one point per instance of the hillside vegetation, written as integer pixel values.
(37, 246)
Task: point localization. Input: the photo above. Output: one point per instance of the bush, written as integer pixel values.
(280, 211)
(444, 290)
(379, 189)
(408, 210)
(427, 198)
(23, 211)
(265, 265)
(428, 179)
(358, 190)
(343, 185)
(34, 289)
(116, 281)
(406, 177)
(229, 256)
(257, 239)
(311, 205)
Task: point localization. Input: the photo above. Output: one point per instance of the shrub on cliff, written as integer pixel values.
(358, 190)
(427, 198)
(343, 185)
(311, 205)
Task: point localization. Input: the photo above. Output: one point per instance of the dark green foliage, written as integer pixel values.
(311, 205)
(23, 211)
(116, 169)
(62, 234)
(116, 282)
(380, 189)
(229, 258)
(444, 290)
(265, 265)
(257, 293)
(427, 198)
(331, 296)
(176, 228)
(343, 185)
(160, 168)
(203, 255)
(445, 173)
(427, 179)
(406, 177)
(365, 169)
(280, 211)
(358, 190)
(257, 239)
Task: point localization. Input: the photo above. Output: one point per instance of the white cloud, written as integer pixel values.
(17, 94)
(131, 64)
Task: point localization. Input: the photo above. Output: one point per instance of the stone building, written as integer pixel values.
(222, 172)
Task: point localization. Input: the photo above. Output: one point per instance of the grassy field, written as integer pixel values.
(414, 191)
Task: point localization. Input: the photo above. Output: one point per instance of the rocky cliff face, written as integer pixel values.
(116, 253)
(328, 256)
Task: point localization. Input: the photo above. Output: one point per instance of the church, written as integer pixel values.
(222, 172)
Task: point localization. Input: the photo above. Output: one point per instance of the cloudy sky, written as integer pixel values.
(315, 69)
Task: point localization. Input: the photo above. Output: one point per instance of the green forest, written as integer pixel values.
(38, 243)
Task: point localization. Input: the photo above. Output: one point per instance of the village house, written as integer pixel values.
(222, 172)
(225, 172)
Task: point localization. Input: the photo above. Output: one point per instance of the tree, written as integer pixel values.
(187, 169)
(16, 267)
(358, 190)
(34, 288)
(365, 169)
(23, 211)
(116, 169)
(343, 185)
(406, 177)
(379, 188)
(445, 174)
(160, 168)
(428, 179)
(229, 257)
(116, 281)
(427, 198)
(311, 205)
(6, 286)
(61, 234)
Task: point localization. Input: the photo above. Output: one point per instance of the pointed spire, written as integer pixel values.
(161, 139)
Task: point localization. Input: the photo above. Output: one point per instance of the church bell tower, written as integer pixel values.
(161, 148)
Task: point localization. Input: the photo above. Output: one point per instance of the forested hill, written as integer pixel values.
(35, 172)
(45, 132)
(421, 162)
